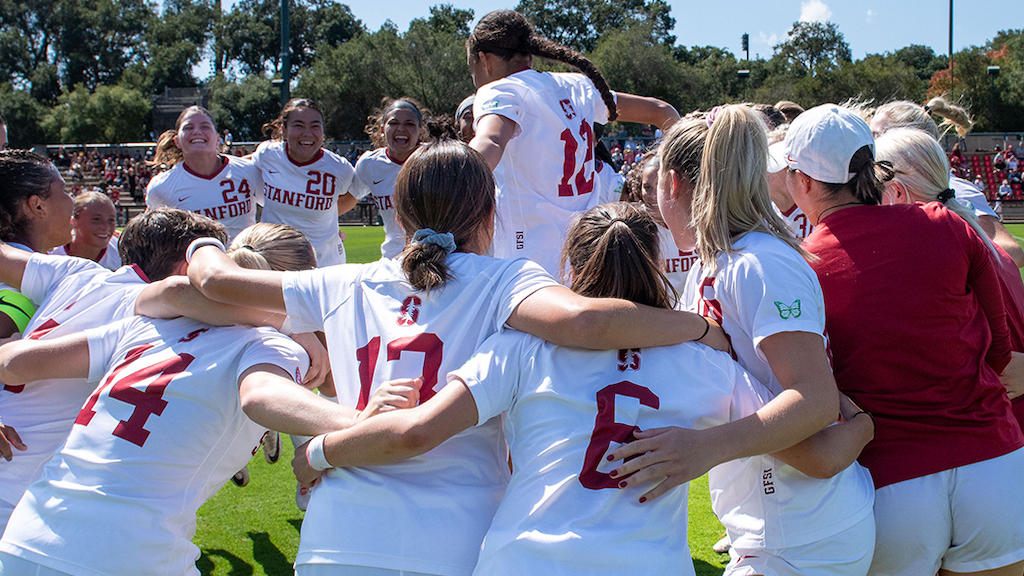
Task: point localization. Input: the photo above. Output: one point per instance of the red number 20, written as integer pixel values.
(607, 430)
(148, 401)
(583, 186)
(429, 344)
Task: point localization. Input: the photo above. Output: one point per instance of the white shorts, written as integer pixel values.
(847, 553)
(965, 519)
(348, 570)
(14, 566)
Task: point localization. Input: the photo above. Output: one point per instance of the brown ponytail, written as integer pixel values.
(447, 187)
(507, 33)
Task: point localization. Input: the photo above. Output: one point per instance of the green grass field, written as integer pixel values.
(255, 530)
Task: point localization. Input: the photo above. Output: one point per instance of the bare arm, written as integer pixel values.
(563, 317)
(832, 450)
(346, 202)
(24, 361)
(808, 403)
(492, 134)
(1001, 237)
(220, 279)
(401, 434)
(645, 110)
(271, 399)
(175, 297)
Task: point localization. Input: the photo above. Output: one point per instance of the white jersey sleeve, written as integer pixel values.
(44, 272)
(375, 176)
(763, 288)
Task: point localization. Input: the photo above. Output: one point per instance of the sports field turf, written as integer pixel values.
(255, 530)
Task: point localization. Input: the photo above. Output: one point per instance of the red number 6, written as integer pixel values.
(607, 430)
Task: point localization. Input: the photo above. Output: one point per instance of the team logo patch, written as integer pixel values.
(570, 113)
(410, 312)
(791, 311)
(490, 105)
(629, 359)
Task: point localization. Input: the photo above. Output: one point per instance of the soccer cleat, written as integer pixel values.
(271, 446)
(723, 545)
(241, 478)
(302, 494)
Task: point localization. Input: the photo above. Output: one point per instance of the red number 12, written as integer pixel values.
(583, 186)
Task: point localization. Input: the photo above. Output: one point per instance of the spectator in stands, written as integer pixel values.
(1000, 160)
(3, 132)
(979, 183)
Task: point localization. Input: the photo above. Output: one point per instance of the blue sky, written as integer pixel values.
(870, 26)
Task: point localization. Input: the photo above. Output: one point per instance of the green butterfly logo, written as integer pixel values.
(791, 311)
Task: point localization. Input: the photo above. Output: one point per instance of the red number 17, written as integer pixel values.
(429, 344)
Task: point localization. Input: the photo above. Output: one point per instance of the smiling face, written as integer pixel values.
(94, 225)
(401, 132)
(196, 133)
(303, 131)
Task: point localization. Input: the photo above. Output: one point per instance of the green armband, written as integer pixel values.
(17, 307)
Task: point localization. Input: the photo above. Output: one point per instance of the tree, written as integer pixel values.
(428, 63)
(250, 33)
(244, 106)
(579, 24)
(813, 48)
(28, 35)
(23, 114)
(99, 39)
(175, 43)
(113, 114)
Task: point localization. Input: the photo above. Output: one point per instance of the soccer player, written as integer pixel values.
(536, 131)
(425, 313)
(94, 231)
(180, 407)
(200, 179)
(304, 185)
(396, 133)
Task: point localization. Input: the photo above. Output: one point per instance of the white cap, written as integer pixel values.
(464, 106)
(824, 141)
(777, 157)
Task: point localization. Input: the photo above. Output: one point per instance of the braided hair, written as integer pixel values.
(507, 34)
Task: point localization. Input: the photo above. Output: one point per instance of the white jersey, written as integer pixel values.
(376, 174)
(796, 220)
(607, 185)
(546, 174)
(763, 288)
(437, 506)
(304, 196)
(226, 197)
(109, 258)
(75, 294)
(968, 194)
(162, 432)
(566, 410)
(677, 262)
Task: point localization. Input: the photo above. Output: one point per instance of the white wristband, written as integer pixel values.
(315, 454)
(199, 243)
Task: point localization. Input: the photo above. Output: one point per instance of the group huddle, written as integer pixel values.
(528, 379)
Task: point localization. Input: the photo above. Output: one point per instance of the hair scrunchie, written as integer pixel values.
(713, 115)
(946, 195)
(428, 236)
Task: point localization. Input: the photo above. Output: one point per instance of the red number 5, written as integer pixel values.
(607, 430)
(429, 344)
(583, 186)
